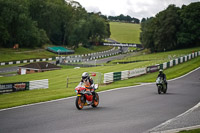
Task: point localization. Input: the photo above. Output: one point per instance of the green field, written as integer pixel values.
(191, 131)
(57, 79)
(125, 32)
(9, 54)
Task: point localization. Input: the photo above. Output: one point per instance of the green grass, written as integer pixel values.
(157, 58)
(125, 32)
(82, 50)
(57, 81)
(9, 54)
(191, 131)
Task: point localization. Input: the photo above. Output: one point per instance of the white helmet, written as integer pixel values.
(160, 71)
(85, 75)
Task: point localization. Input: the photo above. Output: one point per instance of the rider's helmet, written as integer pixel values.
(85, 76)
(160, 71)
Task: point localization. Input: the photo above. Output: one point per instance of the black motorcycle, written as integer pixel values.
(162, 88)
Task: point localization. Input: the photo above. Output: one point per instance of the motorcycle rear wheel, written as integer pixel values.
(165, 91)
(79, 103)
(96, 101)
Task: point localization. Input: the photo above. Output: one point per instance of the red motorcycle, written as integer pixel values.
(85, 96)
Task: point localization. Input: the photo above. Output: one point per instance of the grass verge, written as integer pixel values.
(191, 131)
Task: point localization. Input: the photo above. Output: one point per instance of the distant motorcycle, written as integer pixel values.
(161, 85)
(85, 97)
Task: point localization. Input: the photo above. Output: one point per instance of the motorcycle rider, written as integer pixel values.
(163, 76)
(89, 83)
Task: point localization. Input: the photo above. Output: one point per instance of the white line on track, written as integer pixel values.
(179, 129)
(98, 92)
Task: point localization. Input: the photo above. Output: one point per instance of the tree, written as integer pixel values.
(143, 20)
(123, 18)
(147, 34)
(160, 33)
(52, 16)
(17, 26)
(32, 23)
(166, 29)
(99, 29)
(189, 34)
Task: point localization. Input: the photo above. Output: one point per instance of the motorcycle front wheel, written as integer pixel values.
(79, 103)
(96, 101)
(159, 89)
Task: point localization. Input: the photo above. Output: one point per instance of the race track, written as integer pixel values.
(125, 110)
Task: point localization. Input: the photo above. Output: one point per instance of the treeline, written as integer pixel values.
(172, 28)
(32, 23)
(123, 18)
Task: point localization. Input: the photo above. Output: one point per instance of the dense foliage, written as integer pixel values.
(123, 18)
(32, 23)
(172, 28)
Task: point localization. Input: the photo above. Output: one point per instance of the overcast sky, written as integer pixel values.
(134, 8)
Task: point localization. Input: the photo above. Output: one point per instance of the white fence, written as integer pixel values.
(39, 84)
(111, 77)
(114, 76)
(137, 72)
(108, 77)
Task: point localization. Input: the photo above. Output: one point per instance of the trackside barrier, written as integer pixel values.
(179, 60)
(137, 72)
(154, 68)
(12, 87)
(125, 74)
(22, 86)
(117, 76)
(171, 63)
(114, 76)
(39, 84)
(108, 77)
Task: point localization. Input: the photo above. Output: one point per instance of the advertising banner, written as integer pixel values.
(12, 87)
(151, 69)
(137, 72)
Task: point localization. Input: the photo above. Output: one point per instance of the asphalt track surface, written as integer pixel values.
(124, 110)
